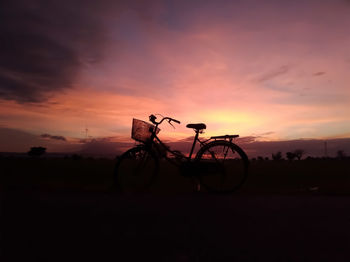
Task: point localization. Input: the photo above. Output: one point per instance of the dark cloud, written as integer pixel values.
(267, 133)
(62, 138)
(319, 73)
(270, 75)
(184, 145)
(43, 45)
(246, 139)
(104, 146)
(252, 138)
(100, 139)
(15, 140)
(187, 139)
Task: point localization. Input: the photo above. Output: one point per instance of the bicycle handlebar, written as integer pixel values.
(153, 118)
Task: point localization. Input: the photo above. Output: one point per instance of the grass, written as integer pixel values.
(317, 176)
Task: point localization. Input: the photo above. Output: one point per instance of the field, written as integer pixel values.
(62, 209)
(315, 176)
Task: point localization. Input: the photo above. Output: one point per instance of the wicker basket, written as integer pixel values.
(141, 131)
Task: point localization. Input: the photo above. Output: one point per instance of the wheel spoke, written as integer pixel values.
(230, 170)
(136, 170)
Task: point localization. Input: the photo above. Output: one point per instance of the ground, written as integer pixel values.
(64, 211)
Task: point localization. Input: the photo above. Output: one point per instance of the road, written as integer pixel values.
(59, 226)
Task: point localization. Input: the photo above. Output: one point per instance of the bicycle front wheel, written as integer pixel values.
(135, 170)
(223, 167)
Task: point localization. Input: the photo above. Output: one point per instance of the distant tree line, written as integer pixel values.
(36, 151)
(297, 154)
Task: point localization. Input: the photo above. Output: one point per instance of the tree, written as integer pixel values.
(291, 155)
(341, 154)
(277, 156)
(37, 151)
(299, 153)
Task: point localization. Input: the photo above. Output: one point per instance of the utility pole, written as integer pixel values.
(86, 131)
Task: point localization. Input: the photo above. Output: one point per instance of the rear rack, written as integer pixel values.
(230, 137)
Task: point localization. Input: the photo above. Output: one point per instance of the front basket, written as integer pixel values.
(142, 131)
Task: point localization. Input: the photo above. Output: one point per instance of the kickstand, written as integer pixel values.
(197, 185)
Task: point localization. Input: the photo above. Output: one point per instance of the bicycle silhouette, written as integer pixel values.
(219, 165)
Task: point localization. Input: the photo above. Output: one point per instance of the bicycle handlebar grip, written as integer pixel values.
(152, 118)
(176, 121)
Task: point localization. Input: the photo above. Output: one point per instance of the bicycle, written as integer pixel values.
(219, 165)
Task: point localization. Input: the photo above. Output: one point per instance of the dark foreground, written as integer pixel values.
(59, 210)
(58, 226)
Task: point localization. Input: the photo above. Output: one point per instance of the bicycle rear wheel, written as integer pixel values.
(135, 170)
(222, 167)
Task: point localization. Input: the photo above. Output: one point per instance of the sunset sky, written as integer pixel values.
(271, 70)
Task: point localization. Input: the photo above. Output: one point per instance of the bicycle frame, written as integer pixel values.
(154, 138)
(155, 144)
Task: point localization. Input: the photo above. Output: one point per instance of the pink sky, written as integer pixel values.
(274, 69)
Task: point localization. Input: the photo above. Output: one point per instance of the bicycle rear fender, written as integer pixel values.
(222, 142)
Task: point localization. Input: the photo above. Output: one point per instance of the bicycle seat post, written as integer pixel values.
(194, 142)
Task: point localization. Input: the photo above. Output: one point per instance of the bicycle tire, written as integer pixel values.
(222, 167)
(135, 170)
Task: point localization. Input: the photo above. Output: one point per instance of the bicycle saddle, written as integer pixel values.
(197, 126)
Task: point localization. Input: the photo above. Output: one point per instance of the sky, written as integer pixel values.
(76, 73)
